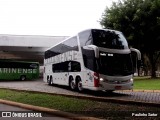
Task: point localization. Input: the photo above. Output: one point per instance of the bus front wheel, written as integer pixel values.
(50, 81)
(23, 77)
(109, 91)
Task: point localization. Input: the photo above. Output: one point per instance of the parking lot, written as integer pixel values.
(39, 85)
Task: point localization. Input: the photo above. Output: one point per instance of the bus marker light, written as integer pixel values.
(96, 79)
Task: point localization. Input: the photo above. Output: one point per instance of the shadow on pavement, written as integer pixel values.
(94, 93)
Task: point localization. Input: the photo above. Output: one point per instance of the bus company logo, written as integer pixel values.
(21, 114)
(17, 70)
(6, 114)
(117, 82)
(67, 56)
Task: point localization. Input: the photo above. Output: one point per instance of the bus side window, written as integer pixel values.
(69, 67)
(76, 67)
(53, 68)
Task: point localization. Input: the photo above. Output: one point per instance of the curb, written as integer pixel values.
(100, 99)
(48, 110)
(153, 91)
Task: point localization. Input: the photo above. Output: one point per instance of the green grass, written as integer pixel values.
(146, 83)
(73, 105)
(45, 100)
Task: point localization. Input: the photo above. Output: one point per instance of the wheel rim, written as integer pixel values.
(72, 84)
(51, 82)
(80, 86)
(23, 78)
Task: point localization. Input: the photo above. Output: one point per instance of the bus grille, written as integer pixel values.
(117, 81)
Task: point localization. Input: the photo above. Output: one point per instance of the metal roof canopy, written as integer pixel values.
(26, 47)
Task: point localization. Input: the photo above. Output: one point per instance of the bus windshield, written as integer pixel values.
(109, 39)
(115, 64)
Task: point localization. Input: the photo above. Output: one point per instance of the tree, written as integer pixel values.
(139, 20)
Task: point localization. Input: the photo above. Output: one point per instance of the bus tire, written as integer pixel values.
(23, 77)
(50, 81)
(109, 91)
(72, 83)
(79, 84)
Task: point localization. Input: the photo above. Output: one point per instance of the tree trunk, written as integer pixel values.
(153, 74)
(153, 65)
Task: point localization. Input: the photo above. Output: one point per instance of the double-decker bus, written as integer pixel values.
(22, 70)
(95, 59)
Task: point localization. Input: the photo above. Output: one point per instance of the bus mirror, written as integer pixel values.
(137, 52)
(138, 61)
(87, 48)
(92, 47)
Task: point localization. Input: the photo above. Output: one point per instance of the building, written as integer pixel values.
(26, 47)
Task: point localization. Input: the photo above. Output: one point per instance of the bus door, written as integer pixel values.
(90, 64)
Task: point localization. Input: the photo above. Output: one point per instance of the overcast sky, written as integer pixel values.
(50, 17)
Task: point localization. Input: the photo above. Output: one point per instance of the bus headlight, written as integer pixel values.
(130, 80)
(101, 79)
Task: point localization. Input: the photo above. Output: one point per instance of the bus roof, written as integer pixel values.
(98, 29)
(80, 32)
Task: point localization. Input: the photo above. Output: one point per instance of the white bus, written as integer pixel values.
(95, 59)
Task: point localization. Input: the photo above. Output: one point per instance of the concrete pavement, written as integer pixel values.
(135, 97)
(39, 86)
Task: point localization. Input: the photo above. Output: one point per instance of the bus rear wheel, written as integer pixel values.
(23, 77)
(79, 84)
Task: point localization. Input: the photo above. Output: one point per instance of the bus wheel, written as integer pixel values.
(72, 83)
(23, 77)
(79, 85)
(109, 91)
(50, 81)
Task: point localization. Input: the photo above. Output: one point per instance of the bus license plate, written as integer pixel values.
(118, 87)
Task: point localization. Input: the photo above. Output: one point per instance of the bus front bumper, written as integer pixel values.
(103, 86)
(108, 86)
